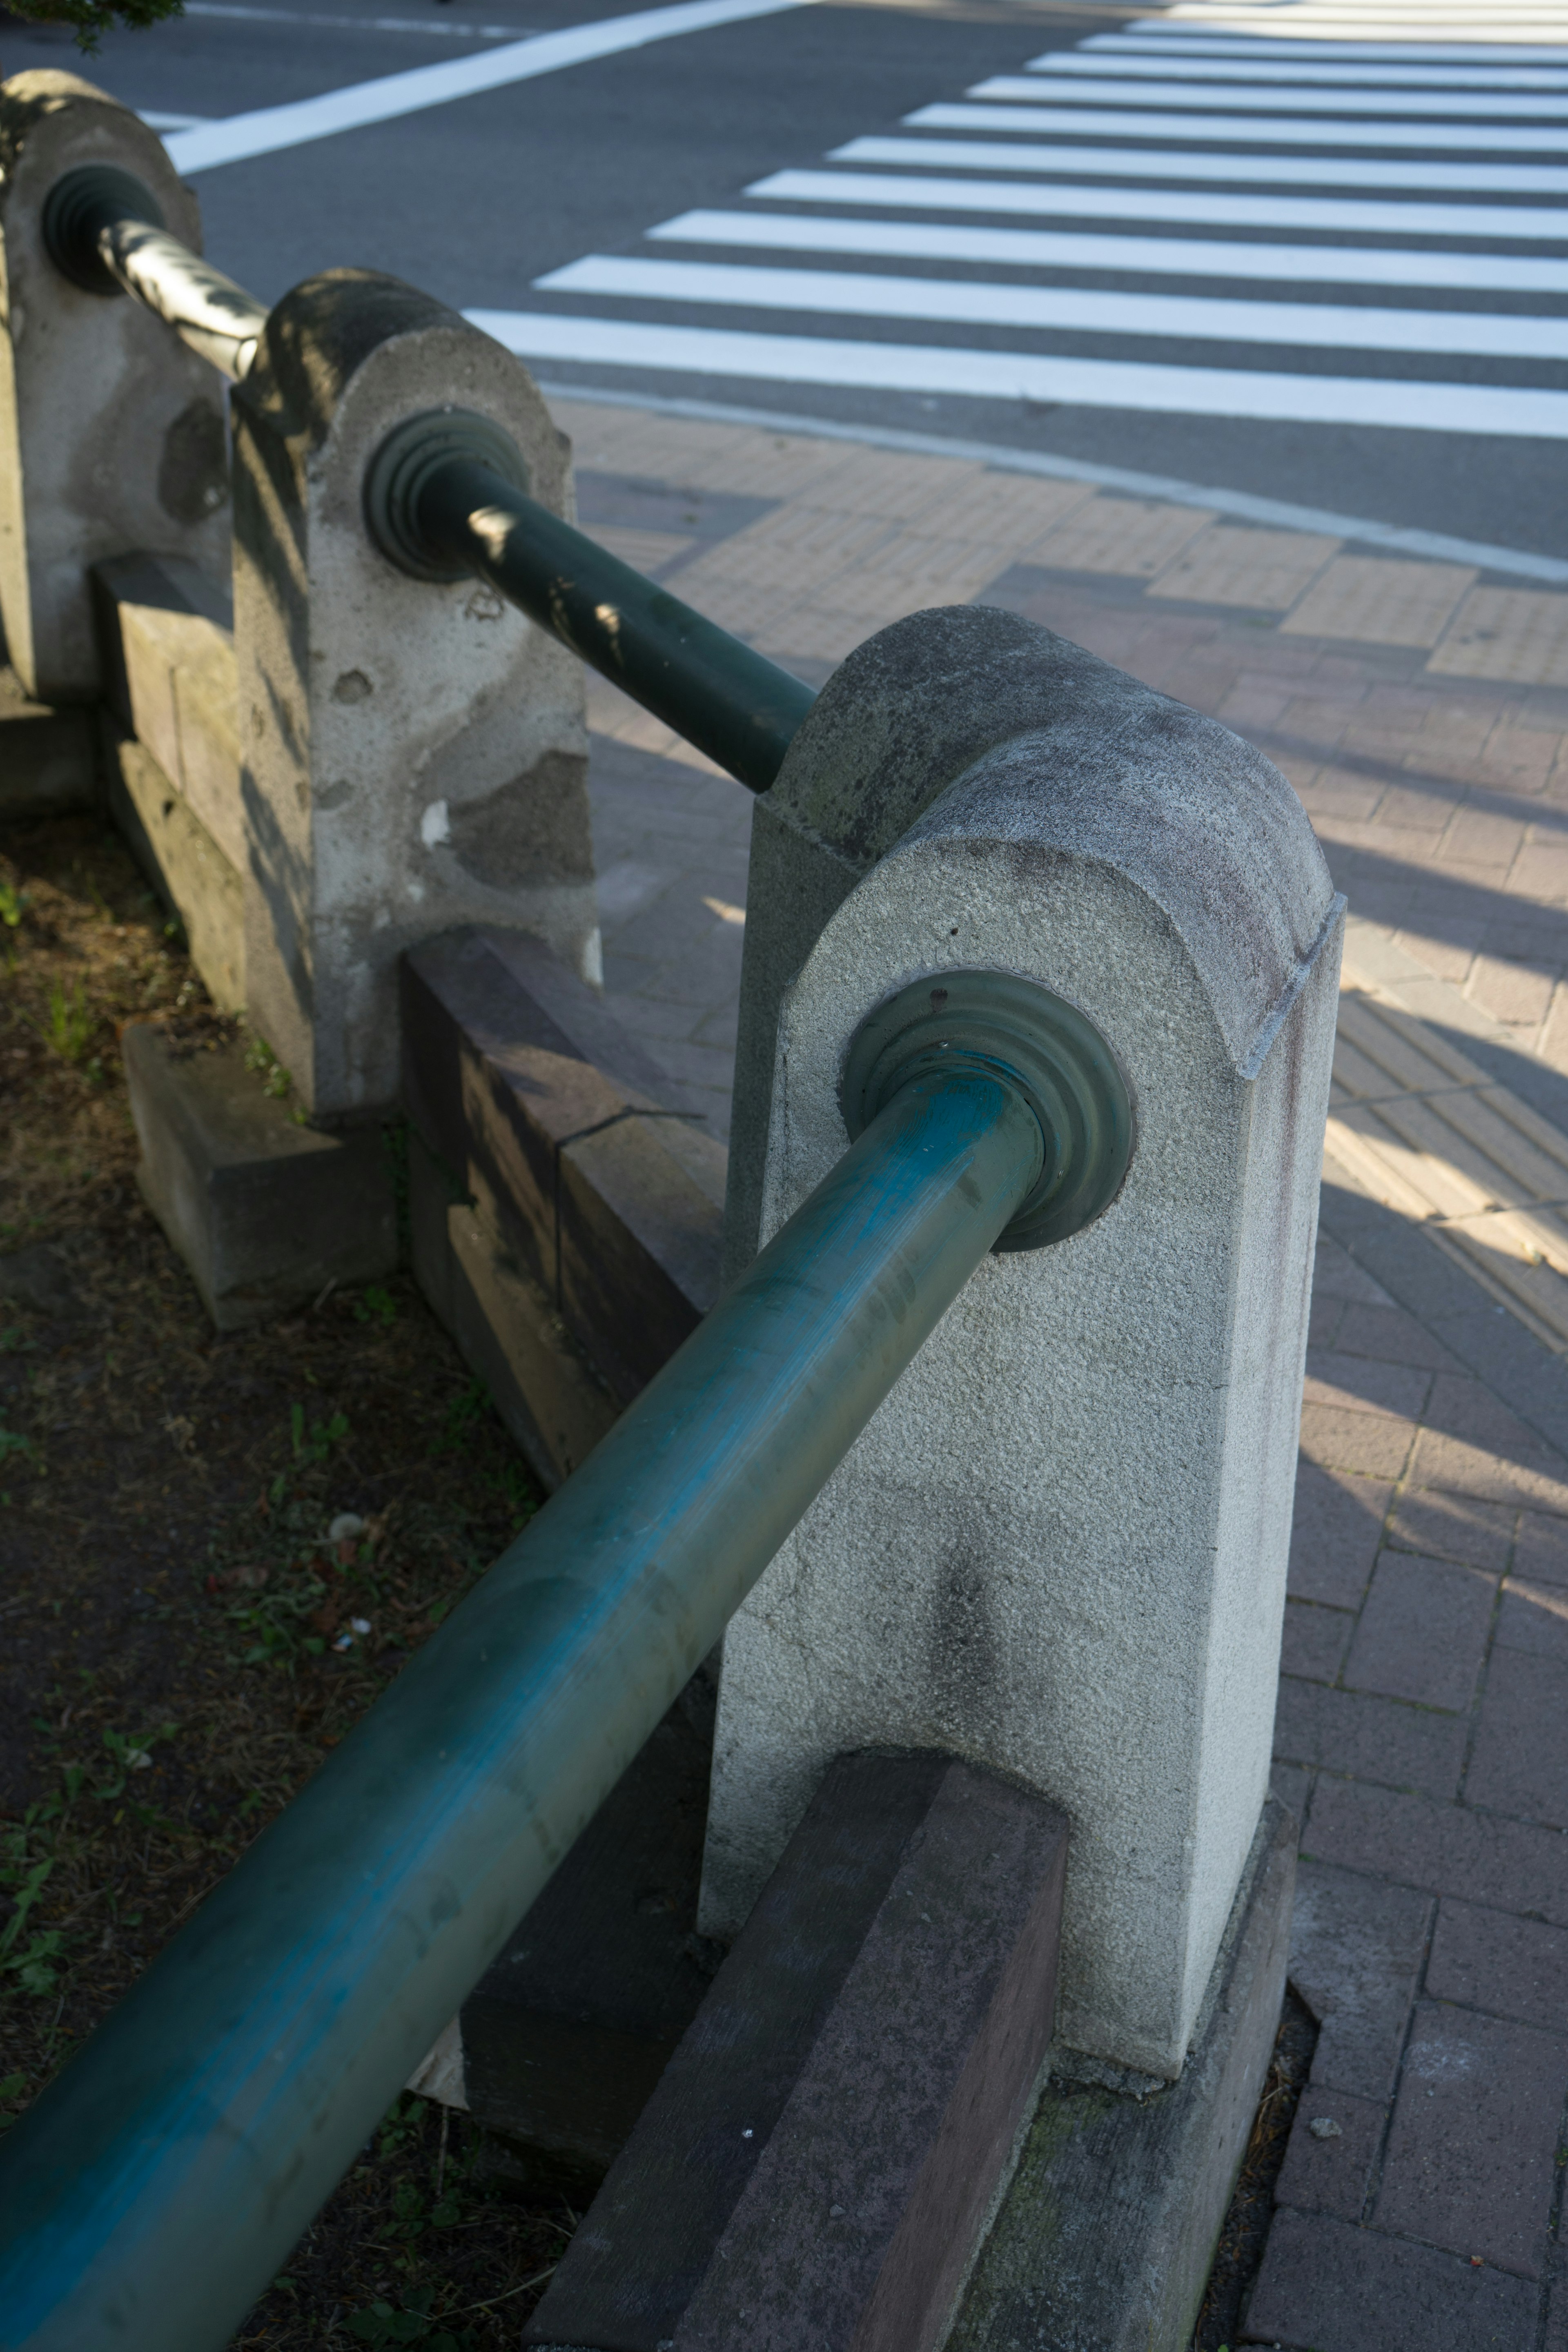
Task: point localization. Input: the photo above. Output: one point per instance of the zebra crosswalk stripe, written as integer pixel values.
(1126, 134)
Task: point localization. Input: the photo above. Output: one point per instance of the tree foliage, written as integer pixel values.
(94, 18)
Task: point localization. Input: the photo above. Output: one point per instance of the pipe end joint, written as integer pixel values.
(402, 469)
(78, 207)
(1045, 1047)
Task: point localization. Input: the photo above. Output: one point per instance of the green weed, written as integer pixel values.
(71, 1021)
(375, 1306)
(14, 905)
(260, 1058)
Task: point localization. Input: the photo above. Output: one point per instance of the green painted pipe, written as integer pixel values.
(724, 696)
(447, 498)
(155, 2188)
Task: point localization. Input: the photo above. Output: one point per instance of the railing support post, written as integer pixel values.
(1059, 1549)
(111, 433)
(414, 753)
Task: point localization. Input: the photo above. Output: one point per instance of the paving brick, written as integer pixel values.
(1293, 1788)
(1519, 1764)
(1490, 1960)
(1330, 2172)
(1326, 2286)
(1517, 992)
(1370, 1738)
(1315, 1641)
(1534, 1617)
(1422, 1630)
(1556, 2336)
(1469, 2163)
(1541, 1552)
(1451, 1527)
(1356, 1948)
(1323, 1320)
(1335, 1535)
(1373, 1444)
(1461, 1466)
(1336, 1275)
(1355, 1383)
(1395, 1336)
(1418, 1843)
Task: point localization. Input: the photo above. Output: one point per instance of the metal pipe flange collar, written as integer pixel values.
(398, 476)
(82, 204)
(1050, 1051)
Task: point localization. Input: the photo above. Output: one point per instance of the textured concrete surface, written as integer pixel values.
(1104, 2237)
(111, 433)
(263, 1212)
(413, 752)
(960, 1580)
(820, 2154)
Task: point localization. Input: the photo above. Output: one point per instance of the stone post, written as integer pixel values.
(1059, 1549)
(111, 433)
(413, 753)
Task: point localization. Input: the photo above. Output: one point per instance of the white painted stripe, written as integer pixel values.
(274, 127)
(1277, 512)
(1271, 70)
(1338, 216)
(1508, 32)
(1275, 130)
(1027, 375)
(1037, 88)
(971, 303)
(1145, 163)
(1171, 257)
(172, 121)
(442, 29)
(1198, 45)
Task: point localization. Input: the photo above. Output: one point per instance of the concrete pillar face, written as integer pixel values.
(413, 755)
(111, 433)
(1059, 1549)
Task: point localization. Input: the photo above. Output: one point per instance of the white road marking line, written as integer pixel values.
(442, 28)
(270, 128)
(155, 122)
(1187, 67)
(1279, 513)
(1507, 32)
(1369, 53)
(1273, 130)
(1335, 215)
(1026, 375)
(1146, 163)
(1037, 87)
(1028, 248)
(1327, 326)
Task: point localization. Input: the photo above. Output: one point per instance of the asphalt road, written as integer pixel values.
(882, 282)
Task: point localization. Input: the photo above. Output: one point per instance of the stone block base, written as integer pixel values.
(566, 2035)
(264, 1213)
(1104, 2239)
(47, 756)
(822, 2150)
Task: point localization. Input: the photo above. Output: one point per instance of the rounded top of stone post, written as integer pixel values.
(972, 723)
(51, 121)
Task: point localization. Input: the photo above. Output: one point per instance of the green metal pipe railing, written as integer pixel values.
(104, 231)
(447, 498)
(156, 2187)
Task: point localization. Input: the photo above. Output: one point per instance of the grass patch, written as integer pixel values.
(214, 1552)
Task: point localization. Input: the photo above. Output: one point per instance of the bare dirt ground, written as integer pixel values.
(180, 1620)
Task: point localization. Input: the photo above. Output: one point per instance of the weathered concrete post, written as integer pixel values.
(111, 433)
(1059, 1549)
(413, 752)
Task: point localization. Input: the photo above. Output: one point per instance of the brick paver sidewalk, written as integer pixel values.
(1422, 713)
